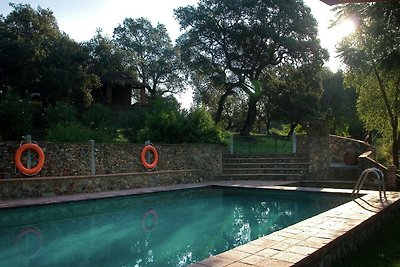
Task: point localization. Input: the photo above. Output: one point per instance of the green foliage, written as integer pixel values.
(107, 59)
(383, 150)
(165, 122)
(97, 116)
(64, 124)
(262, 144)
(235, 45)
(201, 128)
(372, 56)
(164, 126)
(156, 59)
(130, 123)
(338, 105)
(75, 132)
(36, 57)
(61, 113)
(15, 117)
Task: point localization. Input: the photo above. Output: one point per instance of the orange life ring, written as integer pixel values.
(22, 168)
(149, 166)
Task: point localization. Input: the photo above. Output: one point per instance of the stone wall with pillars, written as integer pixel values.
(316, 144)
(73, 159)
(67, 168)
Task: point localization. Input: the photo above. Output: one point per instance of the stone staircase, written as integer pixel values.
(265, 167)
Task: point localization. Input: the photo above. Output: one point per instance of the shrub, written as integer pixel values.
(200, 128)
(131, 122)
(164, 122)
(164, 126)
(15, 117)
(97, 116)
(60, 113)
(76, 132)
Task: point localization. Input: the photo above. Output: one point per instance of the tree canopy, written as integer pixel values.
(38, 58)
(157, 61)
(237, 44)
(372, 55)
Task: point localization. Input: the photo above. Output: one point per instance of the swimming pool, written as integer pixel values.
(160, 229)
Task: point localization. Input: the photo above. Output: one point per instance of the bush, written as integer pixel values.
(76, 132)
(174, 126)
(97, 116)
(15, 117)
(131, 122)
(164, 126)
(200, 128)
(60, 113)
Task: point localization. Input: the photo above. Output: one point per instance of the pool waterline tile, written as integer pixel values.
(310, 235)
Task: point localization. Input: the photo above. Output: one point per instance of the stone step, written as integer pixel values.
(263, 160)
(280, 165)
(261, 176)
(265, 170)
(228, 156)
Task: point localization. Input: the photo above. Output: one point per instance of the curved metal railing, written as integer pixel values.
(380, 181)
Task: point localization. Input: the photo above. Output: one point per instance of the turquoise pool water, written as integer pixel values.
(159, 229)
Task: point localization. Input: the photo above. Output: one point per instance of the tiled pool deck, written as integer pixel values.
(307, 243)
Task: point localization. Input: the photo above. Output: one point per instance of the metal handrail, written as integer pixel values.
(380, 181)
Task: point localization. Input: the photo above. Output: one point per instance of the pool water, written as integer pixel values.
(159, 229)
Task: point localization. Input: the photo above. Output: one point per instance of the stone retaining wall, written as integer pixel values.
(67, 168)
(72, 159)
(338, 146)
(17, 188)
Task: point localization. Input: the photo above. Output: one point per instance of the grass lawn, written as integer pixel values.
(262, 144)
(383, 249)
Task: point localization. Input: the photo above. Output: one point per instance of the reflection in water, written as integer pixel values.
(180, 228)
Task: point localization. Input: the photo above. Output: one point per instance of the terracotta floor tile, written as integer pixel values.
(239, 264)
(234, 254)
(264, 242)
(281, 246)
(301, 250)
(253, 259)
(249, 248)
(274, 263)
(288, 256)
(268, 252)
(216, 261)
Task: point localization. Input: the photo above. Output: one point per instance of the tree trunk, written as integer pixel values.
(395, 150)
(251, 116)
(292, 127)
(221, 104)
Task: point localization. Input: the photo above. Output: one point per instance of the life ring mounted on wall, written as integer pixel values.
(18, 156)
(152, 149)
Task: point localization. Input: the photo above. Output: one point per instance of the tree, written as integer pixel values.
(338, 105)
(236, 42)
(156, 60)
(26, 38)
(37, 57)
(372, 55)
(107, 59)
(65, 75)
(296, 95)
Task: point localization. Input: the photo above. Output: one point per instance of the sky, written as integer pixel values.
(80, 19)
